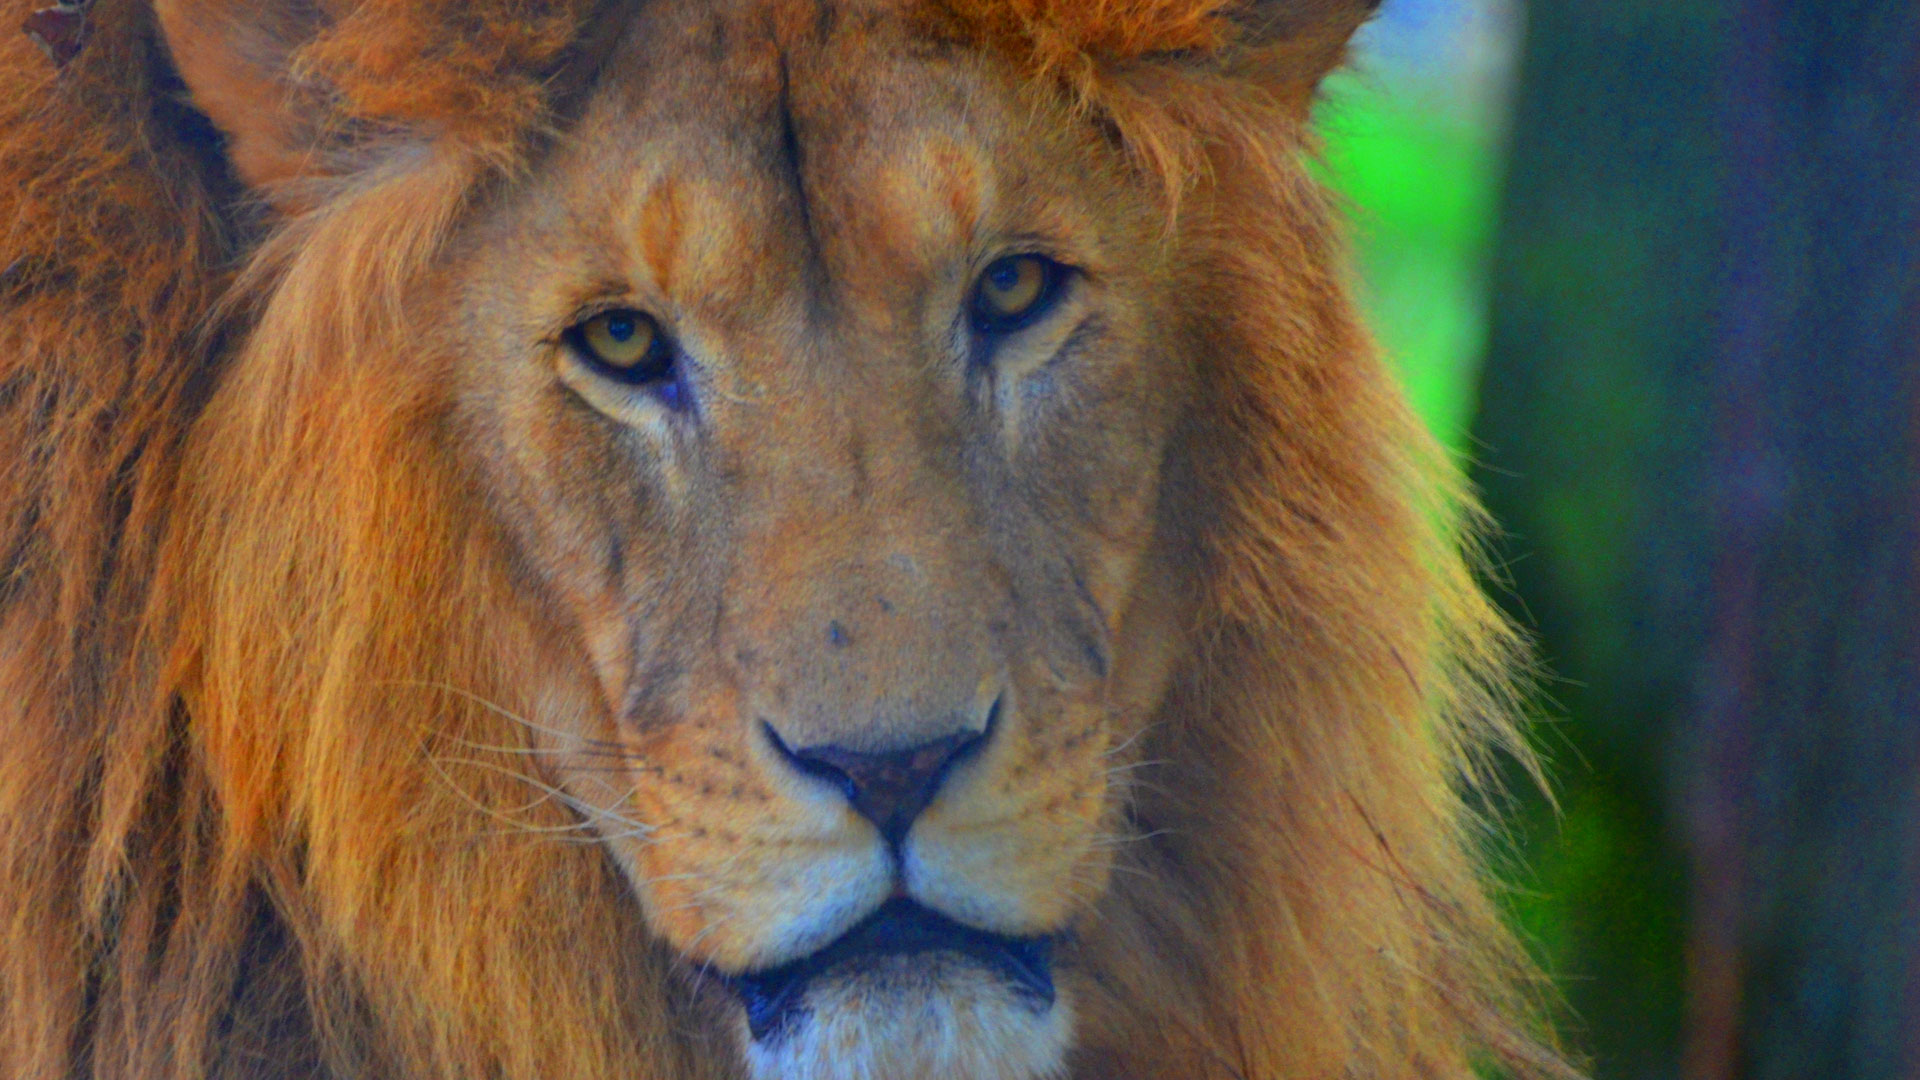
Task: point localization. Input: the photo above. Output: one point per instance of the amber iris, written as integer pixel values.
(623, 345)
(619, 339)
(1015, 291)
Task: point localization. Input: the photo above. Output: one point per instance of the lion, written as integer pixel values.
(721, 539)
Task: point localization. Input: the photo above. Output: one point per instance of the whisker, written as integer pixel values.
(1116, 840)
(521, 827)
(711, 926)
(589, 810)
(1112, 751)
(503, 712)
(1116, 770)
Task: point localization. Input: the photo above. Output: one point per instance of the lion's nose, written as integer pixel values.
(889, 789)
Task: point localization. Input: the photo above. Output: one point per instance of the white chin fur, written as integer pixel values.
(917, 1018)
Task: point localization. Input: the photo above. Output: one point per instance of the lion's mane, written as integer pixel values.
(242, 645)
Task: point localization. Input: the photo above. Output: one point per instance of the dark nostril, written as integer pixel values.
(810, 765)
(890, 789)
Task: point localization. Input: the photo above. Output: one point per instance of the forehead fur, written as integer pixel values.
(477, 66)
(1064, 33)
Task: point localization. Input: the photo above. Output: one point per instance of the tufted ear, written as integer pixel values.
(1328, 22)
(236, 59)
(1299, 41)
(300, 87)
(1294, 43)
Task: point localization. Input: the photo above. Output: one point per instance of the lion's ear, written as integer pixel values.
(236, 60)
(1292, 44)
(1300, 41)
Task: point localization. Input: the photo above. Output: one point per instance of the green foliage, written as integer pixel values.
(1422, 187)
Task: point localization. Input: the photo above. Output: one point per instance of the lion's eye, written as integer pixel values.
(1014, 292)
(625, 346)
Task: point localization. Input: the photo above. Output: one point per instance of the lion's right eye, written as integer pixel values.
(1015, 292)
(625, 346)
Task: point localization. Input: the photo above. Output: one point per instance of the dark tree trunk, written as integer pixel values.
(1804, 776)
(1701, 424)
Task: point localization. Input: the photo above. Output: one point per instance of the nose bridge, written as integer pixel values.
(863, 595)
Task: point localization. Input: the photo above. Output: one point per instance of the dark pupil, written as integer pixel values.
(621, 327)
(1004, 275)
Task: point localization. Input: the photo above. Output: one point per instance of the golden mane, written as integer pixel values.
(248, 825)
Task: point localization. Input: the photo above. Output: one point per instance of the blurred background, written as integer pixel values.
(1652, 268)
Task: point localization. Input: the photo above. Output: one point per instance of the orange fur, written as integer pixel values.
(261, 812)
(1063, 35)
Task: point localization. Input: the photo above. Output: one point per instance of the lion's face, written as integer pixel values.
(818, 379)
(901, 480)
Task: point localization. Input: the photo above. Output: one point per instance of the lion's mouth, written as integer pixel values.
(775, 999)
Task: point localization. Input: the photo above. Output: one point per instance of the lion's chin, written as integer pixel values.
(914, 1016)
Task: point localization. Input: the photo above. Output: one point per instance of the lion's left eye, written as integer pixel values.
(624, 345)
(1015, 292)
(630, 348)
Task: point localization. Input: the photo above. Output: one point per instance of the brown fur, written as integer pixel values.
(266, 632)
